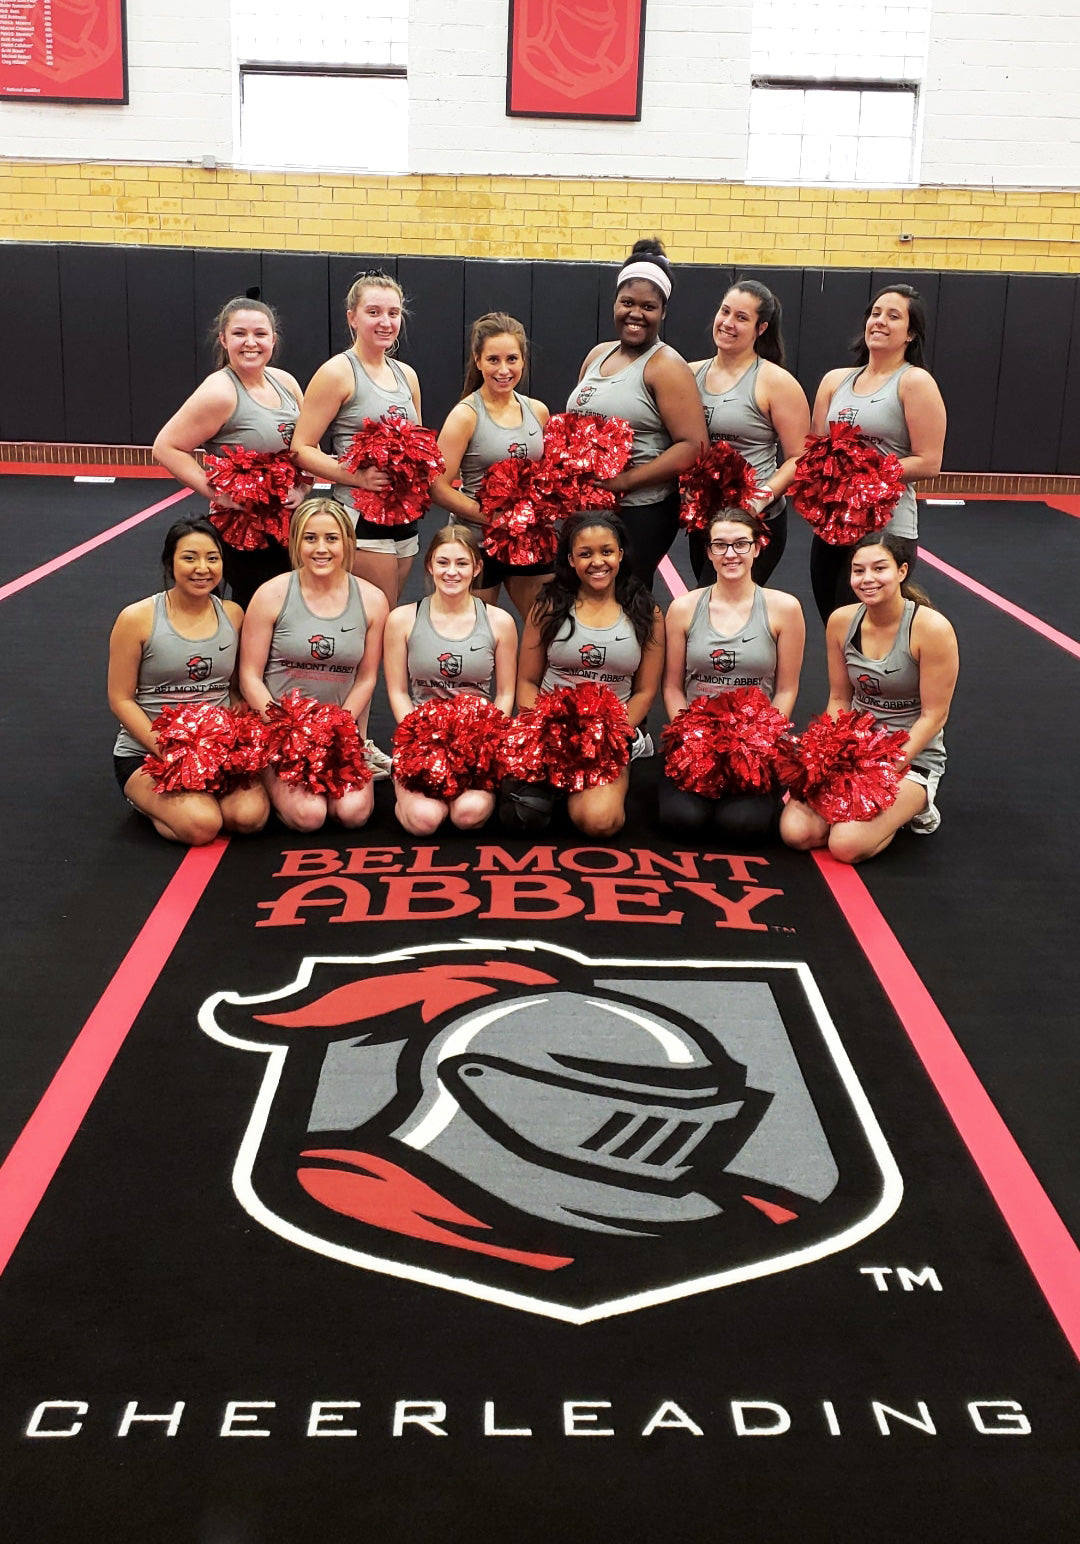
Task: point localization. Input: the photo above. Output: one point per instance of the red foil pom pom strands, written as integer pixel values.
(259, 482)
(204, 748)
(847, 768)
(315, 744)
(410, 457)
(443, 748)
(844, 487)
(725, 744)
(519, 512)
(575, 737)
(719, 479)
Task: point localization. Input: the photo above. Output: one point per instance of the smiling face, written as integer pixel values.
(196, 564)
(248, 340)
(376, 318)
(322, 546)
(595, 557)
(732, 562)
(501, 363)
(639, 310)
(453, 568)
(737, 324)
(888, 327)
(876, 576)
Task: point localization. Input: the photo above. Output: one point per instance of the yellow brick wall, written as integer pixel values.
(539, 217)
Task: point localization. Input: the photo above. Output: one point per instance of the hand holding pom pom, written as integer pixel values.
(725, 744)
(260, 485)
(204, 748)
(444, 748)
(580, 451)
(575, 737)
(409, 456)
(719, 479)
(315, 744)
(845, 488)
(849, 768)
(519, 512)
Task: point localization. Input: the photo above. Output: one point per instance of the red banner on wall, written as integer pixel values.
(63, 50)
(575, 58)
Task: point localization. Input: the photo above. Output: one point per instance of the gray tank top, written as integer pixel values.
(491, 443)
(181, 670)
(889, 688)
(607, 655)
(625, 395)
(440, 668)
(320, 655)
(715, 664)
(881, 419)
(253, 426)
(368, 401)
(735, 416)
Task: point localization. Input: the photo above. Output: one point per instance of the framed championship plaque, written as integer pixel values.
(63, 50)
(567, 60)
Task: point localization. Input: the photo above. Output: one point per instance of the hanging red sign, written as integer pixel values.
(63, 50)
(575, 58)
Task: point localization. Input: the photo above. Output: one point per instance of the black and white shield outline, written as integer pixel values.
(881, 1185)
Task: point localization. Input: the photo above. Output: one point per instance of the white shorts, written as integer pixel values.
(405, 547)
(927, 780)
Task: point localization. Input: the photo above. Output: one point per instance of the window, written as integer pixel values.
(841, 132)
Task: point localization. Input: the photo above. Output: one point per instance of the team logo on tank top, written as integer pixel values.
(321, 646)
(723, 660)
(517, 452)
(449, 666)
(199, 667)
(285, 429)
(708, 417)
(847, 415)
(395, 415)
(592, 655)
(869, 685)
(584, 395)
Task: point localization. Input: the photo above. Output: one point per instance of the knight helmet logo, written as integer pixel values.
(723, 660)
(321, 646)
(449, 666)
(517, 1123)
(199, 667)
(593, 655)
(518, 451)
(869, 685)
(584, 395)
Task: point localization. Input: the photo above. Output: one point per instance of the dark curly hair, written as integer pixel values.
(555, 603)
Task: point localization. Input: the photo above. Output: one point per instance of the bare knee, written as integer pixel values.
(196, 827)
(600, 824)
(421, 822)
(848, 844)
(304, 817)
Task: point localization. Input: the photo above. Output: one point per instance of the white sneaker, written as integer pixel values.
(926, 822)
(641, 746)
(379, 762)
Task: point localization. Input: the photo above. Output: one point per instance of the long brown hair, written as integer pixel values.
(491, 325)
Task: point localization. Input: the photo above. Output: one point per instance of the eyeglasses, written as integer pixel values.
(740, 546)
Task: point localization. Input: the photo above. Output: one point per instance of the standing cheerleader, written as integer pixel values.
(493, 422)
(178, 647)
(320, 629)
(753, 402)
(595, 622)
(731, 634)
(364, 382)
(638, 378)
(897, 405)
(892, 655)
(245, 403)
(448, 644)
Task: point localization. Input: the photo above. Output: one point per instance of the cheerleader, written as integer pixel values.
(637, 377)
(493, 422)
(176, 647)
(890, 654)
(897, 405)
(730, 634)
(753, 402)
(447, 644)
(364, 382)
(245, 403)
(596, 622)
(318, 628)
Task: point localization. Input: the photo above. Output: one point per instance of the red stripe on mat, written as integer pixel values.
(1042, 1236)
(65, 558)
(28, 1169)
(1028, 618)
(72, 469)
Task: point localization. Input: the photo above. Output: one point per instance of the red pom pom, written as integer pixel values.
(847, 768)
(410, 457)
(520, 751)
(260, 482)
(725, 744)
(579, 734)
(519, 512)
(443, 748)
(844, 487)
(315, 744)
(248, 755)
(195, 745)
(719, 479)
(581, 449)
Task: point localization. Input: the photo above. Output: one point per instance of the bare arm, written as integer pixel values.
(376, 610)
(785, 403)
(646, 682)
(506, 649)
(263, 611)
(199, 420)
(840, 692)
(671, 382)
(934, 646)
(396, 660)
(129, 634)
(679, 616)
(331, 386)
(789, 629)
(924, 413)
(532, 662)
(454, 439)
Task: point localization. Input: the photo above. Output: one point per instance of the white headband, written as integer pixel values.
(646, 270)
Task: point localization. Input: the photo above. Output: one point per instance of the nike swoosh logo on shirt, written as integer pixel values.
(621, 637)
(474, 647)
(222, 647)
(349, 629)
(749, 637)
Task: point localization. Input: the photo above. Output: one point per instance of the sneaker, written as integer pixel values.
(379, 762)
(641, 746)
(926, 822)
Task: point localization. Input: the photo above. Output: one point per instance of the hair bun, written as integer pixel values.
(649, 246)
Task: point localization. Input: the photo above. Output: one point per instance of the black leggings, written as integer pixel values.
(764, 563)
(740, 818)
(652, 528)
(829, 569)
(245, 571)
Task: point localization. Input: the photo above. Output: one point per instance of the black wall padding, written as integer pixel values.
(833, 303)
(697, 293)
(565, 302)
(161, 331)
(32, 384)
(1069, 452)
(97, 380)
(435, 287)
(1034, 364)
(971, 319)
(297, 286)
(219, 278)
